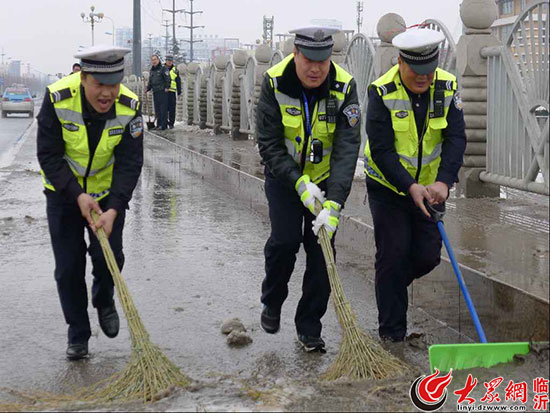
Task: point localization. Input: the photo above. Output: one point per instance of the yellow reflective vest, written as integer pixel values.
(292, 112)
(94, 175)
(407, 143)
(173, 77)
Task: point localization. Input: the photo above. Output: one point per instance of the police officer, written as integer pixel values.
(309, 138)
(175, 87)
(90, 150)
(159, 82)
(416, 143)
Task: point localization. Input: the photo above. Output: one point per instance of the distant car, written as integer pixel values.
(17, 100)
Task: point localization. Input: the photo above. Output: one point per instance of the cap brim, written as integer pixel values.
(425, 68)
(316, 55)
(108, 78)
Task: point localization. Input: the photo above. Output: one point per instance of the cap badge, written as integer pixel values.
(319, 35)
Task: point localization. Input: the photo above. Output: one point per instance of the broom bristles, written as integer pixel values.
(360, 356)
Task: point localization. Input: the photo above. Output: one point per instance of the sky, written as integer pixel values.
(46, 33)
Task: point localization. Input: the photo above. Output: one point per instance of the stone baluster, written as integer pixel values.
(477, 16)
(389, 26)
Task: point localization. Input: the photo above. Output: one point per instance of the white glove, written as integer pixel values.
(309, 192)
(329, 217)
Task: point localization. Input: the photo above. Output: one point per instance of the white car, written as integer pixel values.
(17, 100)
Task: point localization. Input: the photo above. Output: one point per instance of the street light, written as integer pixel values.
(113, 24)
(92, 18)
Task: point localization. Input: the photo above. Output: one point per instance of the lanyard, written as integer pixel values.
(306, 107)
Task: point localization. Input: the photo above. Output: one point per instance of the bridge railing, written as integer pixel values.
(504, 89)
(517, 105)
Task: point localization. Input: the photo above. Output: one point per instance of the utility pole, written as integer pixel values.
(175, 48)
(3, 54)
(191, 28)
(167, 25)
(150, 35)
(136, 44)
(359, 16)
(268, 31)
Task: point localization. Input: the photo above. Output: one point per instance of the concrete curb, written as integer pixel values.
(520, 315)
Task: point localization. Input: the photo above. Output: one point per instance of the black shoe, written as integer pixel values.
(310, 343)
(163, 128)
(77, 351)
(270, 320)
(108, 320)
(170, 126)
(392, 339)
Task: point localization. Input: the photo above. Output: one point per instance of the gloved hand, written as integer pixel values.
(309, 192)
(329, 217)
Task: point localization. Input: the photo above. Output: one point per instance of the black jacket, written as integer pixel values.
(51, 149)
(159, 78)
(381, 139)
(275, 156)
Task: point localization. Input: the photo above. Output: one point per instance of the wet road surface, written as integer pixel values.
(194, 258)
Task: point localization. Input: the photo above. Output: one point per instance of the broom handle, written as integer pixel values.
(465, 293)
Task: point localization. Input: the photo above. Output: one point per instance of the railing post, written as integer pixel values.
(389, 26)
(477, 16)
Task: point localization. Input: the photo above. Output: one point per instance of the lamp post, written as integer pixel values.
(92, 18)
(112, 23)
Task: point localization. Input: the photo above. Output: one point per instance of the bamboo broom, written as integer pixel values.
(150, 374)
(361, 357)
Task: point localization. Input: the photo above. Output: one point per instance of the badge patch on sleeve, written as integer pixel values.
(458, 101)
(136, 127)
(353, 113)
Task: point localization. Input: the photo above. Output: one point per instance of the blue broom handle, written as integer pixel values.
(463, 287)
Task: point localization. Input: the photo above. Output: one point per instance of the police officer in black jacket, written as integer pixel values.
(309, 136)
(416, 143)
(90, 150)
(159, 82)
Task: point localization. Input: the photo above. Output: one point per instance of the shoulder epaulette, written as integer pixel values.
(383, 90)
(445, 85)
(128, 101)
(60, 95)
(338, 86)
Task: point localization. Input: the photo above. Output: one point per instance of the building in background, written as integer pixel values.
(508, 12)
(124, 37)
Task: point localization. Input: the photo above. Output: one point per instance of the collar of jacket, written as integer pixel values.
(157, 67)
(290, 85)
(88, 112)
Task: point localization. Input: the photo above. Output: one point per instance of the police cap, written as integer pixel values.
(315, 42)
(419, 47)
(104, 63)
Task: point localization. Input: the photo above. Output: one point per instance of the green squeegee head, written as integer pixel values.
(470, 355)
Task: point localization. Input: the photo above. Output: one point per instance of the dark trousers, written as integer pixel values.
(160, 100)
(171, 108)
(69, 247)
(408, 246)
(291, 224)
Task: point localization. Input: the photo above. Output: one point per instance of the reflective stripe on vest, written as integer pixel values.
(292, 113)
(405, 132)
(93, 175)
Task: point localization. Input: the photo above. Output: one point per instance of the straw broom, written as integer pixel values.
(149, 376)
(360, 357)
